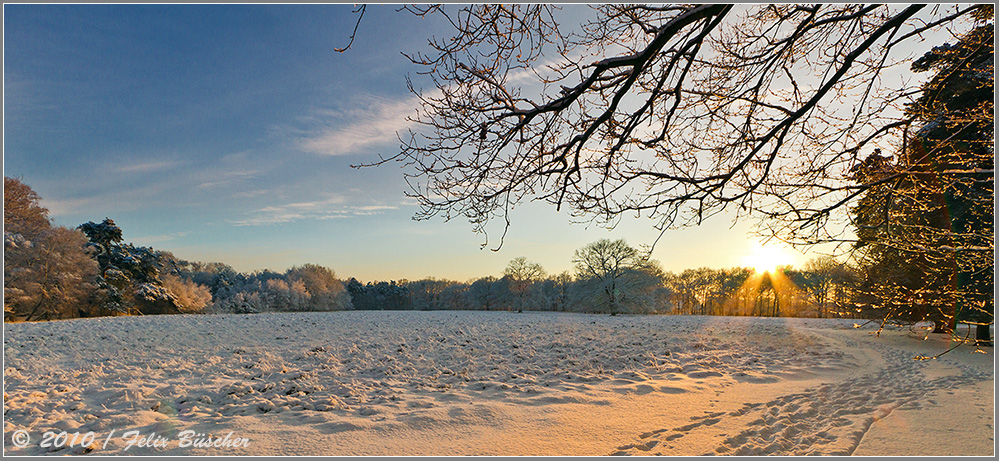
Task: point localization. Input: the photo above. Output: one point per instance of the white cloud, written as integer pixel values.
(375, 208)
(330, 208)
(253, 193)
(371, 121)
(59, 208)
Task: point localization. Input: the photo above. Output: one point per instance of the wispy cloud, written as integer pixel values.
(149, 181)
(225, 178)
(331, 208)
(372, 121)
(153, 239)
(58, 208)
(253, 193)
(147, 167)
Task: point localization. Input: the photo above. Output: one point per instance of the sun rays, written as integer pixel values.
(770, 293)
(767, 258)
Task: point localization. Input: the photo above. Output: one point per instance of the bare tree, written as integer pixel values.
(611, 274)
(672, 112)
(680, 112)
(521, 275)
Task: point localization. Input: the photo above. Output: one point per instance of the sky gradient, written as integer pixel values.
(227, 133)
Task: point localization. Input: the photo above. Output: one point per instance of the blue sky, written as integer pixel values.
(226, 133)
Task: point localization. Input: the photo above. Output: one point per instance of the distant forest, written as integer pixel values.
(53, 272)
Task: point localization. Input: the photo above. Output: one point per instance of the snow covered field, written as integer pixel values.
(490, 383)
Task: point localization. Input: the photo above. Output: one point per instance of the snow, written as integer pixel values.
(493, 383)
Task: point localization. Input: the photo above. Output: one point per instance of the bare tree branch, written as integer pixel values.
(674, 112)
(360, 15)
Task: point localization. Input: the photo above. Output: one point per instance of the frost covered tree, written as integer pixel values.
(22, 210)
(282, 295)
(426, 294)
(827, 282)
(326, 292)
(521, 276)
(613, 277)
(486, 293)
(51, 277)
(557, 289)
(220, 278)
(189, 297)
(303, 288)
(48, 273)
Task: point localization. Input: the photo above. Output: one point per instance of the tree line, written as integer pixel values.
(54, 272)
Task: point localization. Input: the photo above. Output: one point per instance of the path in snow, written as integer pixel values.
(829, 419)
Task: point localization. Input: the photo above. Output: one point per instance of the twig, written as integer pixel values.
(360, 10)
(959, 344)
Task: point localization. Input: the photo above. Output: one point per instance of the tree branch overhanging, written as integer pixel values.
(681, 112)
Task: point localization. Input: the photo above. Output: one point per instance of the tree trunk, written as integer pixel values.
(983, 335)
(34, 310)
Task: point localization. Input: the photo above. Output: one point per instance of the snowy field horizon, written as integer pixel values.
(430, 383)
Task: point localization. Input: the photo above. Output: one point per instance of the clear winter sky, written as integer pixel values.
(226, 133)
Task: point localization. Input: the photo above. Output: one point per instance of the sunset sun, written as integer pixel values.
(766, 258)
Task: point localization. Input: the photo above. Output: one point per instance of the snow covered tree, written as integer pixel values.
(358, 294)
(48, 273)
(556, 291)
(188, 297)
(612, 276)
(282, 295)
(135, 279)
(51, 277)
(521, 276)
(326, 293)
(926, 230)
(240, 302)
(218, 277)
(105, 235)
(22, 210)
(426, 294)
(485, 293)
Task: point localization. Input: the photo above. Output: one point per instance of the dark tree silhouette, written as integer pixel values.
(925, 230)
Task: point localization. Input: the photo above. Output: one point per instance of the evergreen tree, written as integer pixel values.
(925, 228)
